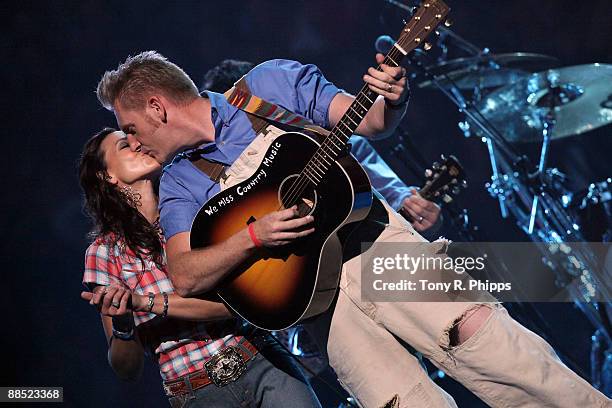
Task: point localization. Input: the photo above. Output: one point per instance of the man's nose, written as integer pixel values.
(134, 144)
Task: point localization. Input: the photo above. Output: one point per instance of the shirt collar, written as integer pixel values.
(221, 114)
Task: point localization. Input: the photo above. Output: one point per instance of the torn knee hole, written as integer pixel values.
(467, 325)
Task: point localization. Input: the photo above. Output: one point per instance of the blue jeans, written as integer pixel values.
(272, 379)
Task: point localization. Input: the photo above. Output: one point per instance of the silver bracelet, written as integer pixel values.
(165, 312)
(151, 302)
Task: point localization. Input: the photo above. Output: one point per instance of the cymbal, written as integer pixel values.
(578, 98)
(487, 70)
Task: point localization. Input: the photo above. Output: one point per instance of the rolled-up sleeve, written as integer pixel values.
(101, 267)
(382, 177)
(297, 87)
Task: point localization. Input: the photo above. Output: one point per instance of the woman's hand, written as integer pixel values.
(113, 300)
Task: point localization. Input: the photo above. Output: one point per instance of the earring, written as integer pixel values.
(132, 197)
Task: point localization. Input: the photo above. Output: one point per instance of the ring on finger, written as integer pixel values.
(421, 219)
(115, 305)
(389, 87)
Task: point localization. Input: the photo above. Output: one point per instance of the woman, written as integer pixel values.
(125, 271)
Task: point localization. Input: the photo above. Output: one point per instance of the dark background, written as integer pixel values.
(53, 56)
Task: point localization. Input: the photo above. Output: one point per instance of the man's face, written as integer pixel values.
(146, 131)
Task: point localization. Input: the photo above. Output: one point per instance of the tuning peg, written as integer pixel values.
(437, 33)
(444, 168)
(447, 199)
(456, 190)
(428, 173)
(435, 166)
(442, 157)
(427, 46)
(464, 183)
(448, 22)
(445, 188)
(454, 181)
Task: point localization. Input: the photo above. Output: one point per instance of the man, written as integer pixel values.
(159, 107)
(425, 214)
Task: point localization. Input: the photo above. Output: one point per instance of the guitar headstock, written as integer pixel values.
(424, 21)
(444, 180)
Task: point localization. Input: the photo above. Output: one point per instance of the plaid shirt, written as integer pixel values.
(180, 347)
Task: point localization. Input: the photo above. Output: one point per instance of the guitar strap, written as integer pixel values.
(262, 115)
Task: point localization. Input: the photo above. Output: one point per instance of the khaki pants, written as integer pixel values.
(503, 363)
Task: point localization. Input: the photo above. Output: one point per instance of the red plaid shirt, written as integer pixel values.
(180, 347)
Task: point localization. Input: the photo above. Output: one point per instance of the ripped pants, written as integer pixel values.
(503, 363)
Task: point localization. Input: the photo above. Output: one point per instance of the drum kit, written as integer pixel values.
(515, 98)
(512, 99)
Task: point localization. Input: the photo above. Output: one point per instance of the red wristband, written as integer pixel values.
(256, 241)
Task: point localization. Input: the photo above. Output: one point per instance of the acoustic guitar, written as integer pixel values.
(276, 289)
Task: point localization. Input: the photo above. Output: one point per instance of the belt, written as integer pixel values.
(223, 367)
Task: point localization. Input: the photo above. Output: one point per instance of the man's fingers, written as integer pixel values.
(418, 223)
(397, 73)
(421, 205)
(288, 213)
(380, 75)
(294, 235)
(87, 296)
(296, 223)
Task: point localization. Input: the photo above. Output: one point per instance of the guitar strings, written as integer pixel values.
(299, 186)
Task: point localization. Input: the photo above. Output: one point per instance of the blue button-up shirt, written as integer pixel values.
(299, 88)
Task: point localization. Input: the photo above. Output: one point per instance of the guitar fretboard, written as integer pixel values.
(336, 143)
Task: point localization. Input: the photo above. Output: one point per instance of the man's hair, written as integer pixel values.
(143, 74)
(222, 77)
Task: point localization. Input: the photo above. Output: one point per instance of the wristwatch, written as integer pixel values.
(123, 335)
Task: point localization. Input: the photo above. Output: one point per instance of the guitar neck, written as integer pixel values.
(336, 143)
(423, 23)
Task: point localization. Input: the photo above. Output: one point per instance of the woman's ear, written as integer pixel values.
(105, 176)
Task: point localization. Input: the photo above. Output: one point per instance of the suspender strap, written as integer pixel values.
(214, 170)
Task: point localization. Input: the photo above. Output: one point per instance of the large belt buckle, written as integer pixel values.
(225, 366)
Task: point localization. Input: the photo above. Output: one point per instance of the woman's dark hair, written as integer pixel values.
(111, 213)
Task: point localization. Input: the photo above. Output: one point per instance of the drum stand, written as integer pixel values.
(532, 201)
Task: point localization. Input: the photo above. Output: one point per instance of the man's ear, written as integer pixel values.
(157, 108)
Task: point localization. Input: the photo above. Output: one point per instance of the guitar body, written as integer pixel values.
(277, 288)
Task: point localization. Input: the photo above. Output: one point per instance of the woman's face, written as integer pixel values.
(125, 166)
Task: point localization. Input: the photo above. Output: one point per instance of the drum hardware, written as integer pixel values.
(543, 106)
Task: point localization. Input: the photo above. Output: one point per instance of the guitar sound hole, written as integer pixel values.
(292, 192)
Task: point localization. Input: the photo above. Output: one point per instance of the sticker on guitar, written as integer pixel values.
(244, 189)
